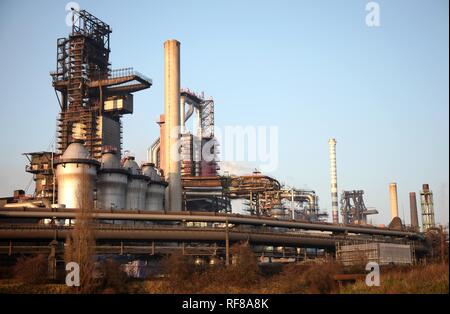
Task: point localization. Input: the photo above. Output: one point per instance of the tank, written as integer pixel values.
(279, 212)
(111, 182)
(136, 186)
(155, 188)
(75, 174)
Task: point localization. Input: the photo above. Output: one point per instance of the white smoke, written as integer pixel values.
(441, 204)
(235, 168)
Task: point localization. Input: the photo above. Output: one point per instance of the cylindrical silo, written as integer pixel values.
(111, 183)
(137, 185)
(75, 174)
(155, 190)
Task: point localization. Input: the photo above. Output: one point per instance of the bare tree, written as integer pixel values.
(80, 245)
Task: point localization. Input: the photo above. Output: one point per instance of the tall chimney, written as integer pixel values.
(393, 196)
(413, 210)
(333, 178)
(172, 123)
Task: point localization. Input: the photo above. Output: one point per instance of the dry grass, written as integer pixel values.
(418, 279)
(16, 287)
(301, 279)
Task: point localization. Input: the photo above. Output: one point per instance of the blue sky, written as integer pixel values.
(312, 68)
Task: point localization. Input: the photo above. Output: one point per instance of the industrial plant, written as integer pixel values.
(178, 200)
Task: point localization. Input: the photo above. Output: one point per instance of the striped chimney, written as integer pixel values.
(333, 178)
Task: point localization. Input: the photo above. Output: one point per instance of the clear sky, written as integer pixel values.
(312, 68)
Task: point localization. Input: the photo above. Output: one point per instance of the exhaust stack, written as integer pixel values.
(333, 178)
(413, 211)
(172, 124)
(394, 202)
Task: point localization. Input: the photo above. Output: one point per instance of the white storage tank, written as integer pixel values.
(112, 182)
(136, 186)
(76, 173)
(155, 189)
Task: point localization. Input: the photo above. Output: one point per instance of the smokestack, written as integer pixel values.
(333, 178)
(413, 210)
(394, 203)
(172, 123)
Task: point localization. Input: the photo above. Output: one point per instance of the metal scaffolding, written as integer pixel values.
(353, 209)
(85, 83)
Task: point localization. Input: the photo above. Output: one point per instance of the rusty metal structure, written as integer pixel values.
(41, 166)
(353, 209)
(92, 96)
(427, 205)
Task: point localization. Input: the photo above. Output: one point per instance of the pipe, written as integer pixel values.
(189, 112)
(182, 114)
(152, 155)
(21, 205)
(413, 211)
(172, 115)
(180, 234)
(393, 197)
(333, 180)
(207, 217)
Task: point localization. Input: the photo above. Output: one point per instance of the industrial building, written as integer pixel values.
(176, 200)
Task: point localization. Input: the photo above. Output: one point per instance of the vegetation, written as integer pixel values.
(431, 278)
(112, 277)
(80, 245)
(183, 275)
(32, 270)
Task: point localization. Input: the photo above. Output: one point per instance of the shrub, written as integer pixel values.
(320, 278)
(113, 278)
(317, 278)
(181, 273)
(245, 271)
(32, 270)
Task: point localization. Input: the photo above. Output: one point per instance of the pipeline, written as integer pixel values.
(123, 233)
(210, 217)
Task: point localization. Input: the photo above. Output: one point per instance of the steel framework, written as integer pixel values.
(84, 80)
(353, 209)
